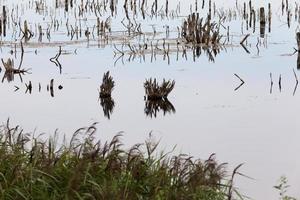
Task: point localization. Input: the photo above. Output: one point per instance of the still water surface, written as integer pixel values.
(249, 125)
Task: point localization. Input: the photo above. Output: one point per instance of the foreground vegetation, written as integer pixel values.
(83, 168)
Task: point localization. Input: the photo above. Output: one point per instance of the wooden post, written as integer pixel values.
(298, 61)
(262, 17)
(0, 27)
(298, 40)
(270, 17)
(254, 20)
(4, 21)
(66, 5)
(244, 12)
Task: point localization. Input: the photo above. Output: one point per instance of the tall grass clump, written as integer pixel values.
(156, 91)
(107, 86)
(201, 31)
(84, 168)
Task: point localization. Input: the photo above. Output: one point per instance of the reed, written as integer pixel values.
(154, 91)
(107, 86)
(84, 168)
(197, 30)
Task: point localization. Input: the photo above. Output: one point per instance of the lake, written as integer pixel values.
(256, 124)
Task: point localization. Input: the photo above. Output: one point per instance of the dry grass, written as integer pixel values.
(107, 86)
(84, 168)
(196, 30)
(154, 91)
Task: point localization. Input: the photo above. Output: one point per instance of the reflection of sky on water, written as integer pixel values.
(249, 125)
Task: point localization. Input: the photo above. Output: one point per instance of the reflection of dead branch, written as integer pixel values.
(56, 61)
(272, 83)
(28, 87)
(52, 88)
(166, 49)
(296, 86)
(153, 107)
(242, 82)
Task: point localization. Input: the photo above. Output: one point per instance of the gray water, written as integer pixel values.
(250, 125)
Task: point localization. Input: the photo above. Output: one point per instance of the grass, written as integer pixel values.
(282, 187)
(84, 168)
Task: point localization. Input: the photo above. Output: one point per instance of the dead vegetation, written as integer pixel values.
(107, 86)
(197, 30)
(154, 91)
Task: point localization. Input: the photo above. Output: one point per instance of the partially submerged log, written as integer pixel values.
(107, 86)
(154, 91)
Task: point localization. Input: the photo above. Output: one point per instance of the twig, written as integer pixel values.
(239, 78)
(245, 38)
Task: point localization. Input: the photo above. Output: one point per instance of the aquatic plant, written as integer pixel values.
(84, 168)
(154, 91)
(107, 86)
(196, 30)
(282, 188)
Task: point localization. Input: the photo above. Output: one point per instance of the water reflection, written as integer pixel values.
(153, 107)
(181, 50)
(108, 105)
